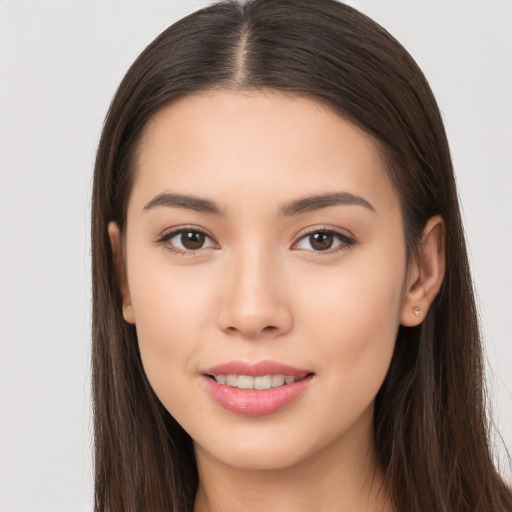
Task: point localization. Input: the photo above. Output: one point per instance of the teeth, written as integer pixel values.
(263, 382)
(246, 382)
(277, 380)
(259, 383)
(232, 380)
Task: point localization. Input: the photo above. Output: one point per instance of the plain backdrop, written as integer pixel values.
(60, 63)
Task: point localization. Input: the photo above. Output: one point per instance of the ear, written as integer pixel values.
(425, 273)
(120, 269)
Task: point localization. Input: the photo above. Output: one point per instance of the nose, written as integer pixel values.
(254, 302)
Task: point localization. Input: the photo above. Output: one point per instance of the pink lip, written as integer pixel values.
(255, 370)
(253, 402)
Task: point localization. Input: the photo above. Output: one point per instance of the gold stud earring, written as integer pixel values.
(417, 311)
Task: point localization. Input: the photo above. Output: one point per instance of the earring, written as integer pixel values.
(127, 306)
(417, 311)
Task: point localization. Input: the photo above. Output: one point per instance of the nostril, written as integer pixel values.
(270, 328)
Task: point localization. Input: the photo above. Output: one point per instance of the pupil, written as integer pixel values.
(192, 240)
(321, 241)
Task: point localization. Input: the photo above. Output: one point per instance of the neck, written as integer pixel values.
(342, 476)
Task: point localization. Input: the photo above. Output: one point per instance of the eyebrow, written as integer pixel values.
(184, 201)
(296, 207)
(323, 201)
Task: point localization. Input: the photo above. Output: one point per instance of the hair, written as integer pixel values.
(430, 420)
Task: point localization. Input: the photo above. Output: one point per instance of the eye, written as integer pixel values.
(186, 240)
(323, 241)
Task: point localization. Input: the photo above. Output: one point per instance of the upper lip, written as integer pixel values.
(258, 369)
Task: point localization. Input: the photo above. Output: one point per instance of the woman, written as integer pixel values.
(283, 315)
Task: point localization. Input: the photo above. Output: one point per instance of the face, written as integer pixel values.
(264, 249)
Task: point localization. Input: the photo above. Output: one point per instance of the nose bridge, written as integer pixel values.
(254, 302)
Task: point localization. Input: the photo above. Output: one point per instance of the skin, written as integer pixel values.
(259, 290)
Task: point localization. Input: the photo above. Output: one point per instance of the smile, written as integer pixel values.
(258, 383)
(256, 389)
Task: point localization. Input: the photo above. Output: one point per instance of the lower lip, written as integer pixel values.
(249, 402)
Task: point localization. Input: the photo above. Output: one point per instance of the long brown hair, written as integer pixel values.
(430, 425)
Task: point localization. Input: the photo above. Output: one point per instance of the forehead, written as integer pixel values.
(257, 141)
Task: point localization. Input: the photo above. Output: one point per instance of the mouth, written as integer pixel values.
(256, 389)
(258, 383)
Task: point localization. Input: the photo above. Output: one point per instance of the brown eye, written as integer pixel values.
(192, 240)
(182, 241)
(324, 241)
(321, 241)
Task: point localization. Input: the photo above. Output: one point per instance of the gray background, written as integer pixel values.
(60, 63)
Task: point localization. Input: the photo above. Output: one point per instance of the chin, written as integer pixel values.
(269, 449)
(257, 458)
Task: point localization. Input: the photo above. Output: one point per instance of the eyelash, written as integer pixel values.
(345, 242)
(167, 237)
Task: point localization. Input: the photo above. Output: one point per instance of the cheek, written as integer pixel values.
(354, 318)
(172, 306)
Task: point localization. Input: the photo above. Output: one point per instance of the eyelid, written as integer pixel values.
(346, 240)
(169, 233)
